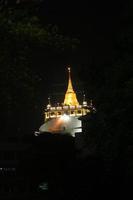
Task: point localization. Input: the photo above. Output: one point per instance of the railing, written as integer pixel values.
(75, 111)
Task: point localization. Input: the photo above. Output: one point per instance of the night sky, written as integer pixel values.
(96, 24)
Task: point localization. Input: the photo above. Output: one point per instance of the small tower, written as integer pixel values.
(84, 101)
(49, 104)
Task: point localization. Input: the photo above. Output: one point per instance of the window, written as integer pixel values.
(79, 112)
(59, 113)
(52, 113)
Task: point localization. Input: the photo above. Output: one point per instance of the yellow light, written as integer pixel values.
(70, 96)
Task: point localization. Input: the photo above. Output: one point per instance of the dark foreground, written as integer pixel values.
(50, 167)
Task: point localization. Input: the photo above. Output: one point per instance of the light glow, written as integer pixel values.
(65, 118)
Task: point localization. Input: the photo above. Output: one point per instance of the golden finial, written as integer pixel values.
(83, 97)
(49, 102)
(69, 69)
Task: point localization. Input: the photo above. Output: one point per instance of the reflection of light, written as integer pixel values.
(43, 186)
(65, 117)
(36, 133)
(7, 169)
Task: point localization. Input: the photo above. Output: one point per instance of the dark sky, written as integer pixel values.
(96, 23)
(99, 17)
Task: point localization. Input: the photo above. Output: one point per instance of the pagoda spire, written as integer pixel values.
(70, 96)
(70, 87)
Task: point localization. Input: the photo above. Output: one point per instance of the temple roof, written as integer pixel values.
(70, 96)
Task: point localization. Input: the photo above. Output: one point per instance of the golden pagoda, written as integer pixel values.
(65, 118)
(70, 106)
(70, 96)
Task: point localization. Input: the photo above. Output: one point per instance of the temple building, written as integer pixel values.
(64, 118)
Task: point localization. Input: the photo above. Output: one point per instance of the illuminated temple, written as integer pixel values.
(64, 118)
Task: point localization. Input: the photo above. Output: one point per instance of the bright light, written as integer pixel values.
(65, 117)
(43, 186)
(36, 133)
